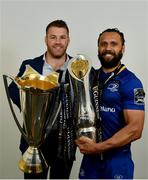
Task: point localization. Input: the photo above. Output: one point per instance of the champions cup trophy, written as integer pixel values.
(39, 107)
(82, 82)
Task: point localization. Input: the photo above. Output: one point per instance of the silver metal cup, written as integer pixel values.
(79, 69)
(39, 108)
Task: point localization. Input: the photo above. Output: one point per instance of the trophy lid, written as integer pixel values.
(32, 78)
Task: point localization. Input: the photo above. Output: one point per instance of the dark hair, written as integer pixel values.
(113, 30)
(57, 23)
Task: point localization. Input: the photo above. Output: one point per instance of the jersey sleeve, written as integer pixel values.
(133, 94)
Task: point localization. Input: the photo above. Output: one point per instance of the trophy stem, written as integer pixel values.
(33, 161)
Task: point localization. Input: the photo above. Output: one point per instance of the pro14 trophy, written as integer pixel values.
(83, 85)
(39, 107)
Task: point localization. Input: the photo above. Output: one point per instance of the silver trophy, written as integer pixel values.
(79, 69)
(39, 108)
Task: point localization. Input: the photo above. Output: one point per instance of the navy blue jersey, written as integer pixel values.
(124, 91)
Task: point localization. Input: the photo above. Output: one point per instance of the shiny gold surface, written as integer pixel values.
(30, 169)
(38, 100)
(80, 68)
(31, 162)
(36, 83)
(32, 78)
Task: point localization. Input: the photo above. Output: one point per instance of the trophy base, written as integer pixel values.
(89, 132)
(32, 161)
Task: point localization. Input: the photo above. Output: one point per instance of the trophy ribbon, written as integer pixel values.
(66, 126)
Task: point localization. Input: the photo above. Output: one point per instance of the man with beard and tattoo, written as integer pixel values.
(121, 99)
(59, 147)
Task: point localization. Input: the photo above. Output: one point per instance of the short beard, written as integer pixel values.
(111, 64)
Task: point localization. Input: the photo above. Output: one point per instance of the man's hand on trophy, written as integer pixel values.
(87, 145)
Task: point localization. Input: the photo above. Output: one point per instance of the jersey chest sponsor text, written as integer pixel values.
(107, 109)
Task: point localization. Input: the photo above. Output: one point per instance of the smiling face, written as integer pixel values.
(57, 40)
(110, 49)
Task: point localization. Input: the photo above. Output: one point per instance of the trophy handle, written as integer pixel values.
(5, 77)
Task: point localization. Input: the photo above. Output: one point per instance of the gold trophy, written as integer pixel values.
(40, 105)
(82, 82)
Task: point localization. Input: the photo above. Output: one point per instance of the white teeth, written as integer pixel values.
(108, 55)
(58, 47)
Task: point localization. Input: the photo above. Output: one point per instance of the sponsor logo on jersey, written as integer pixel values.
(139, 96)
(107, 109)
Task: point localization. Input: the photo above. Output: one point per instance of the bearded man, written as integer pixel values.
(121, 106)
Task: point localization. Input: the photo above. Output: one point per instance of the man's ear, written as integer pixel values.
(46, 40)
(123, 49)
(68, 40)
